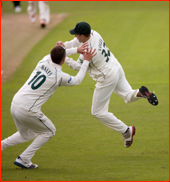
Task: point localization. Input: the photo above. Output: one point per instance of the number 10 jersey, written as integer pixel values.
(42, 83)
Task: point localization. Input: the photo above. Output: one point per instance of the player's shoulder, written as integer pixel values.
(95, 35)
(45, 59)
(93, 32)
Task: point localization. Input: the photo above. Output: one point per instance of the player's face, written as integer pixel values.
(80, 37)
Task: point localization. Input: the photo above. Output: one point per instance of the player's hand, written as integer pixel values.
(60, 43)
(89, 54)
(83, 48)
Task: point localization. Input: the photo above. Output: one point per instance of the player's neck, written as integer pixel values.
(86, 39)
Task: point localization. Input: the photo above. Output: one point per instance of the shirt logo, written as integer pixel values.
(81, 61)
(69, 80)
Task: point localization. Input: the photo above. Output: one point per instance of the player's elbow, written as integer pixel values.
(78, 81)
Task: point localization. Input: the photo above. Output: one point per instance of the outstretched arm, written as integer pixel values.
(75, 65)
(69, 44)
(84, 47)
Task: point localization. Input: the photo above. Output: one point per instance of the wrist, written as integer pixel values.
(86, 61)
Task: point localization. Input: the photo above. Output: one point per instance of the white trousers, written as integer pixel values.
(44, 10)
(101, 99)
(29, 127)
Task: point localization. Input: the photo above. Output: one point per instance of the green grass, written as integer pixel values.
(83, 149)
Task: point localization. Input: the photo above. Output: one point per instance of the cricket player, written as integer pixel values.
(44, 12)
(105, 69)
(40, 86)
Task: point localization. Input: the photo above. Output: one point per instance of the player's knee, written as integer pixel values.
(93, 113)
(49, 134)
(98, 115)
(53, 130)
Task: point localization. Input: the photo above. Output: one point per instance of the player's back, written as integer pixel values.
(40, 86)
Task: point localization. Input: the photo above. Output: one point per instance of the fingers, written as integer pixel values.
(60, 43)
(92, 52)
(83, 48)
(85, 45)
(89, 51)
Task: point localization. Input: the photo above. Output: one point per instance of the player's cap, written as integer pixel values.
(81, 28)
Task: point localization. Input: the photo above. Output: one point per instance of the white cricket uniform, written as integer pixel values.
(109, 75)
(27, 102)
(44, 10)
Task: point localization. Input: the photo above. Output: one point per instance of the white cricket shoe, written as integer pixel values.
(18, 9)
(32, 18)
(128, 136)
(19, 162)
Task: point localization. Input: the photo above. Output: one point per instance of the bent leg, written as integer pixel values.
(46, 130)
(28, 128)
(32, 7)
(16, 138)
(38, 142)
(44, 11)
(23, 134)
(124, 90)
(31, 10)
(100, 106)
